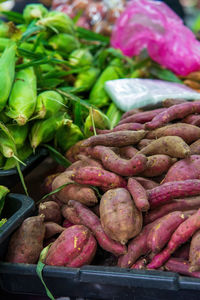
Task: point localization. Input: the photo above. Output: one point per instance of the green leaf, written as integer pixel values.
(92, 36)
(57, 156)
(13, 16)
(21, 177)
(50, 83)
(164, 74)
(77, 16)
(56, 190)
(77, 114)
(31, 29)
(92, 118)
(39, 269)
(3, 221)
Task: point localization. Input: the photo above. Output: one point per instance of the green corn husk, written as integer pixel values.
(29, 46)
(7, 73)
(45, 68)
(44, 131)
(48, 103)
(58, 22)
(98, 95)
(34, 11)
(3, 118)
(96, 118)
(114, 114)
(2, 160)
(64, 43)
(7, 146)
(80, 58)
(67, 136)
(23, 97)
(23, 153)
(85, 80)
(7, 29)
(5, 43)
(19, 134)
(3, 192)
(3, 221)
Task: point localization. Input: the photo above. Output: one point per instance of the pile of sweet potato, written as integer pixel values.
(132, 192)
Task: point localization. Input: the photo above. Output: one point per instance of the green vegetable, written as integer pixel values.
(7, 73)
(64, 43)
(7, 29)
(23, 97)
(3, 192)
(2, 160)
(34, 11)
(85, 80)
(23, 153)
(80, 58)
(100, 120)
(5, 43)
(114, 115)
(3, 118)
(3, 221)
(7, 145)
(19, 134)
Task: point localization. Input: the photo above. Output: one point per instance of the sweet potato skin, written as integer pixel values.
(147, 183)
(192, 119)
(181, 266)
(127, 152)
(182, 252)
(130, 112)
(84, 161)
(141, 117)
(194, 257)
(52, 228)
(75, 247)
(51, 211)
(158, 164)
(122, 127)
(139, 194)
(143, 143)
(27, 242)
(170, 102)
(140, 264)
(119, 217)
(71, 215)
(74, 151)
(195, 147)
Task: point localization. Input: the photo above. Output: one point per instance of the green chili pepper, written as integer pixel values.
(64, 43)
(85, 80)
(98, 95)
(80, 58)
(67, 136)
(19, 134)
(48, 103)
(34, 11)
(7, 73)
(96, 118)
(23, 96)
(114, 115)
(44, 131)
(23, 153)
(3, 192)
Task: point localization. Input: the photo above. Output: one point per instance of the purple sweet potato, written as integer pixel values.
(158, 164)
(192, 119)
(194, 255)
(127, 152)
(51, 211)
(143, 143)
(188, 168)
(182, 252)
(170, 102)
(140, 264)
(51, 229)
(75, 247)
(173, 146)
(142, 117)
(195, 147)
(112, 162)
(147, 183)
(89, 219)
(181, 235)
(115, 139)
(122, 127)
(131, 112)
(119, 217)
(172, 190)
(139, 194)
(98, 177)
(27, 242)
(67, 224)
(180, 266)
(174, 112)
(189, 133)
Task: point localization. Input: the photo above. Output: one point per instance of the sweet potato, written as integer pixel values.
(172, 190)
(27, 242)
(95, 210)
(181, 235)
(74, 151)
(160, 234)
(89, 219)
(192, 119)
(119, 217)
(131, 112)
(180, 266)
(84, 161)
(47, 185)
(147, 183)
(71, 215)
(83, 194)
(112, 162)
(195, 147)
(140, 264)
(194, 257)
(173, 146)
(174, 112)
(189, 133)
(127, 152)
(170, 102)
(67, 224)
(139, 194)
(115, 139)
(158, 164)
(51, 229)
(51, 211)
(142, 117)
(182, 252)
(98, 177)
(190, 203)
(75, 247)
(188, 168)
(143, 143)
(122, 127)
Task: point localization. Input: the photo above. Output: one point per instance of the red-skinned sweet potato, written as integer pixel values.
(158, 164)
(51, 211)
(194, 257)
(195, 147)
(139, 194)
(147, 183)
(140, 264)
(127, 152)
(122, 127)
(143, 143)
(52, 228)
(84, 161)
(71, 215)
(180, 266)
(182, 252)
(131, 112)
(142, 117)
(47, 185)
(170, 102)
(192, 119)
(75, 150)
(67, 223)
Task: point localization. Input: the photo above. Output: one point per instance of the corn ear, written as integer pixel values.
(114, 114)
(23, 153)
(100, 120)
(67, 136)
(34, 11)
(19, 134)
(80, 58)
(64, 43)
(85, 80)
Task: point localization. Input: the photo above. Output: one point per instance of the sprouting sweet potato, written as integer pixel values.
(172, 190)
(160, 234)
(188, 168)
(75, 191)
(131, 112)
(158, 164)
(147, 183)
(112, 162)
(67, 224)
(174, 112)
(127, 152)
(195, 147)
(122, 127)
(89, 219)
(75, 150)
(115, 139)
(193, 119)
(27, 242)
(181, 235)
(98, 177)
(180, 266)
(189, 133)
(52, 228)
(119, 217)
(140, 264)
(71, 215)
(194, 257)
(143, 143)
(139, 194)
(190, 203)
(51, 211)
(75, 247)
(84, 161)
(170, 102)
(182, 252)
(142, 117)
(173, 146)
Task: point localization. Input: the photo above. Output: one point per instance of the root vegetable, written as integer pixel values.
(51, 211)
(123, 127)
(142, 117)
(194, 257)
(130, 112)
(195, 147)
(192, 119)
(147, 183)
(143, 143)
(140, 264)
(139, 194)
(180, 266)
(127, 152)
(158, 164)
(51, 229)
(170, 102)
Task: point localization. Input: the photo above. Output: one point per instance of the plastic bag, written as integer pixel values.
(153, 25)
(135, 93)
